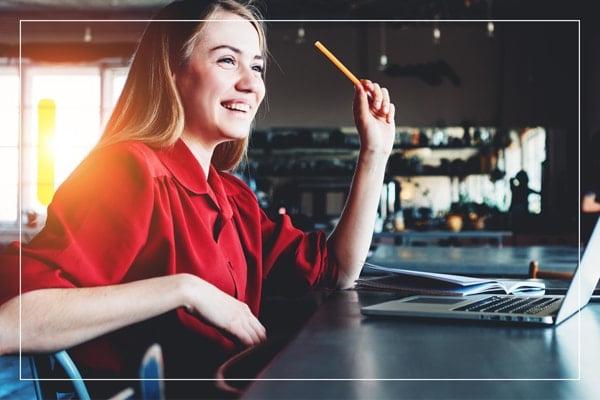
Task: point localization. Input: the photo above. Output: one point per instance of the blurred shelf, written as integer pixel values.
(346, 150)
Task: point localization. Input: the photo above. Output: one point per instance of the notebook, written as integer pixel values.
(551, 310)
(418, 282)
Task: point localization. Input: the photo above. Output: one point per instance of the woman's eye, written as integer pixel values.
(229, 61)
(258, 68)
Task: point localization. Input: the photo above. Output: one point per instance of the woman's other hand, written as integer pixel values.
(374, 118)
(223, 311)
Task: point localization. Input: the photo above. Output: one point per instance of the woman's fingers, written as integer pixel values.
(261, 331)
(391, 114)
(240, 331)
(377, 98)
(361, 101)
(254, 328)
(258, 332)
(252, 332)
(248, 331)
(385, 104)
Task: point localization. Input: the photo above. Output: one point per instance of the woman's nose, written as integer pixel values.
(249, 80)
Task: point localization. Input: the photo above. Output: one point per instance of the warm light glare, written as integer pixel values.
(76, 98)
(45, 156)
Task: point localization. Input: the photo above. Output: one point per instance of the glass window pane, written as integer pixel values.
(119, 77)
(9, 141)
(9, 107)
(76, 95)
(8, 183)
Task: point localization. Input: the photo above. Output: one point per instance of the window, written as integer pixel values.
(63, 106)
(527, 152)
(9, 144)
(64, 110)
(534, 154)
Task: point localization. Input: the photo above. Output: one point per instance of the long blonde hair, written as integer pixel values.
(149, 108)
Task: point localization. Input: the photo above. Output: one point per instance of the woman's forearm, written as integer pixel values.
(54, 319)
(352, 237)
(374, 119)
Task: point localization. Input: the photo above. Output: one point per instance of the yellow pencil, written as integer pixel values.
(337, 63)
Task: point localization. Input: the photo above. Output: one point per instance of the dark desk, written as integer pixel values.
(483, 260)
(339, 343)
(408, 237)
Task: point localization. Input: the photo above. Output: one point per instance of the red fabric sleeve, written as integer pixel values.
(295, 260)
(97, 223)
(291, 260)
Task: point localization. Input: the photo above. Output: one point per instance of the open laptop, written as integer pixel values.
(551, 310)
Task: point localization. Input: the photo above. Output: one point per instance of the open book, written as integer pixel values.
(428, 283)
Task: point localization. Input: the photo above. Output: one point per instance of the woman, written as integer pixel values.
(150, 240)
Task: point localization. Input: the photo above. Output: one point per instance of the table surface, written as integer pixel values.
(480, 260)
(440, 233)
(466, 360)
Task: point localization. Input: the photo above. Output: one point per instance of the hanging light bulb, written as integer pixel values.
(87, 35)
(490, 29)
(300, 35)
(490, 25)
(437, 34)
(383, 60)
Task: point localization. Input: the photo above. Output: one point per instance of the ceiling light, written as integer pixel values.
(437, 34)
(490, 29)
(300, 35)
(383, 60)
(87, 36)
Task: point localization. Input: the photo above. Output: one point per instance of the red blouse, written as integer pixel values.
(129, 212)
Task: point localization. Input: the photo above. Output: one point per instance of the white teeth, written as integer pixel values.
(237, 106)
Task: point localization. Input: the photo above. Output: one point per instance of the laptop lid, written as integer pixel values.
(584, 280)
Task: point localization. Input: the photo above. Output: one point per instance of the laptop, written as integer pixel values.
(549, 310)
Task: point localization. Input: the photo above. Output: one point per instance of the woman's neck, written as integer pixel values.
(202, 151)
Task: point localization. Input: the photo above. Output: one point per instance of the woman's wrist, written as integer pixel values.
(372, 158)
(191, 290)
(186, 289)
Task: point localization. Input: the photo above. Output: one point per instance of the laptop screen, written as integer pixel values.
(584, 280)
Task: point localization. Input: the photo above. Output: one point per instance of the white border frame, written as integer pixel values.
(578, 21)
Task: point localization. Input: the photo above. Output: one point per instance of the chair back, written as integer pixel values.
(152, 375)
(56, 377)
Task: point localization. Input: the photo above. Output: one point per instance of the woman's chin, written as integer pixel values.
(238, 134)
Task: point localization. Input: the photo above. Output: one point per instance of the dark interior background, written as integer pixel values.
(533, 72)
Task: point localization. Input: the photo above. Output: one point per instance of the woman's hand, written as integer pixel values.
(374, 118)
(226, 313)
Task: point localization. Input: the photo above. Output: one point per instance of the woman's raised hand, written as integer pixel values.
(374, 118)
(225, 312)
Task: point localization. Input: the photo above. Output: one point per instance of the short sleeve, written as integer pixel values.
(294, 260)
(97, 223)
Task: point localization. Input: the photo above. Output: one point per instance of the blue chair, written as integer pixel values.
(152, 374)
(56, 377)
(57, 366)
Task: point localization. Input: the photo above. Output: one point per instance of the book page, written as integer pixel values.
(455, 279)
(521, 286)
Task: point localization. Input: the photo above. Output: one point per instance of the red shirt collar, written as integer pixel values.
(180, 161)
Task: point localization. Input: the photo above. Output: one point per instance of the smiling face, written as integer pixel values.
(221, 86)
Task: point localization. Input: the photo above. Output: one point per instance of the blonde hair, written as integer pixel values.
(149, 108)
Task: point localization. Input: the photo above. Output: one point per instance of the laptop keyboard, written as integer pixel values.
(511, 305)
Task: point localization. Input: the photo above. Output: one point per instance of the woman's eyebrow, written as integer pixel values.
(234, 49)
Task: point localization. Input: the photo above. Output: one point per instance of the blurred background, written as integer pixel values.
(497, 134)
